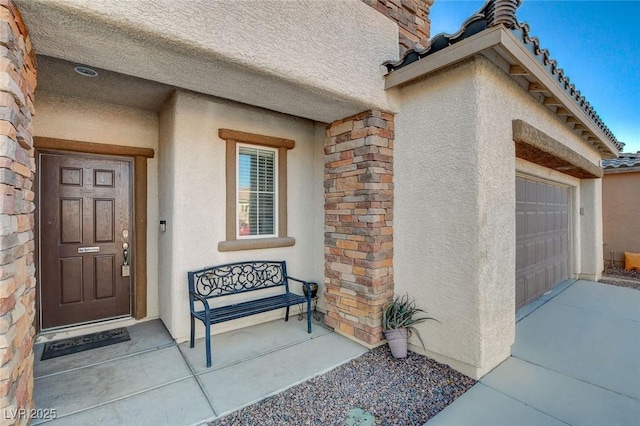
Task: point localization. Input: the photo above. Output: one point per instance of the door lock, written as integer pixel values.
(126, 269)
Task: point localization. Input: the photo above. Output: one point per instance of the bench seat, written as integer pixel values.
(252, 307)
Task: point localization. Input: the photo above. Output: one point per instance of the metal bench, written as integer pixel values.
(237, 278)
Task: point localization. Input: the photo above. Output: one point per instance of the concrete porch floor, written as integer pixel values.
(575, 361)
(152, 381)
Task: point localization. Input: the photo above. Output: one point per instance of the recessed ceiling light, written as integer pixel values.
(86, 71)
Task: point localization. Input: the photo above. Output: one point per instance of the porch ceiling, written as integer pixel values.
(262, 56)
(58, 76)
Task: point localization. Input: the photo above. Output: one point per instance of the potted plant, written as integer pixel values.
(398, 320)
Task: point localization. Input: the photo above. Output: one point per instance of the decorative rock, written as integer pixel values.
(407, 391)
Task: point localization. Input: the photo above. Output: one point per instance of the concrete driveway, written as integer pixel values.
(576, 361)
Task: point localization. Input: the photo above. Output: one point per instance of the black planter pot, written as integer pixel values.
(314, 290)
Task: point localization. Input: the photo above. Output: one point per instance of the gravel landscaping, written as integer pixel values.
(616, 275)
(395, 391)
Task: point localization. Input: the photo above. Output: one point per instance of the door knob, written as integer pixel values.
(125, 263)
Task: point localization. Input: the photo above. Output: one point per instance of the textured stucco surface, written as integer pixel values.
(318, 59)
(65, 117)
(439, 252)
(620, 218)
(591, 238)
(455, 207)
(539, 147)
(510, 101)
(58, 76)
(192, 200)
(505, 101)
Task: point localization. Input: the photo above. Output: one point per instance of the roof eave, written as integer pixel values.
(615, 170)
(501, 47)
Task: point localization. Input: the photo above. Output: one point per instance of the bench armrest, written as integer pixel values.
(307, 284)
(207, 310)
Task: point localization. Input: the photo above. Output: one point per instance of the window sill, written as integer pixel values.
(256, 243)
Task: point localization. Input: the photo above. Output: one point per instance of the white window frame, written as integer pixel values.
(275, 192)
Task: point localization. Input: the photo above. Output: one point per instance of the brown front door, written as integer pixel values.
(85, 223)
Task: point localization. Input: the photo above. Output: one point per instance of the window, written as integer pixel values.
(256, 196)
(256, 174)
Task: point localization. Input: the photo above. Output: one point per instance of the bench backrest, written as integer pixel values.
(241, 277)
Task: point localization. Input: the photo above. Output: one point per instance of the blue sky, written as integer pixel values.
(595, 42)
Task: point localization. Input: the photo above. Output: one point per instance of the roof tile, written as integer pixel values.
(503, 12)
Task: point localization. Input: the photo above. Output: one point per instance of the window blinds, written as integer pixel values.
(256, 191)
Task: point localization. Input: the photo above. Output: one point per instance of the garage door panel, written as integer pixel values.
(530, 221)
(542, 238)
(541, 282)
(530, 286)
(519, 257)
(520, 228)
(521, 187)
(529, 255)
(541, 251)
(550, 277)
(557, 246)
(540, 221)
(558, 220)
(542, 194)
(520, 291)
(532, 192)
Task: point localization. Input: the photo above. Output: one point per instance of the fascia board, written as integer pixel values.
(450, 55)
(502, 41)
(537, 70)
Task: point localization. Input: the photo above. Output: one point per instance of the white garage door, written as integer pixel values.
(542, 238)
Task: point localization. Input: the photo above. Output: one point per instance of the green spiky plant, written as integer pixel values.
(401, 313)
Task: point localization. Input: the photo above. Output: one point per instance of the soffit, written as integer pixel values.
(316, 60)
(495, 33)
(58, 76)
(537, 147)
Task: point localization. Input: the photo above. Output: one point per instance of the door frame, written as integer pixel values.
(139, 157)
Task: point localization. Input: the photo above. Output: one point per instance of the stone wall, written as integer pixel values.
(412, 17)
(17, 167)
(358, 223)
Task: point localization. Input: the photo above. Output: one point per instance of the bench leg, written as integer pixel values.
(286, 317)
(207, 339)
(309, 317)
(193, 332)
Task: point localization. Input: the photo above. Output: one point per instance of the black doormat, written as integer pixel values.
(84, 343)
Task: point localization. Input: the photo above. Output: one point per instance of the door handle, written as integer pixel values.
(125, 263)
(125, 252)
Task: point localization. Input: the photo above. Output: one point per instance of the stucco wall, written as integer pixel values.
(193, 198)
(455, 206)
(318, 59)
(621, 221)
(437, 242)
(504, 101)
(83, 120)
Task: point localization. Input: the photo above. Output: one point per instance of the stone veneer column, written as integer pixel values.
(412, 17)
(358, 248)
(17, 167)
